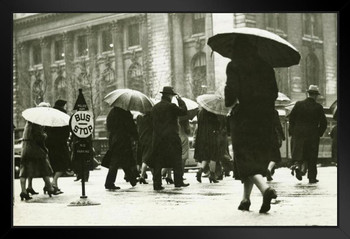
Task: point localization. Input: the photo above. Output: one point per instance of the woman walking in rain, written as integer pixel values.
(144, 147)
(34, 161)
(122, 134)
(277, 143)
(206, 144)
(57, 144)
(251, 81)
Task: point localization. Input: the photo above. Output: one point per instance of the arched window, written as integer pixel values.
(135, 79)
(312, 69)
(199, 74)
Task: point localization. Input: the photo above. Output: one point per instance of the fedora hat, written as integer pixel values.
(313, 89)
(60, 103)
(168, 90)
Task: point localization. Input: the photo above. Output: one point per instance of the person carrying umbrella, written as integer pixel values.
(251, 80)
(122, 134)
(34, 159)
(57, 144)
(166, 142)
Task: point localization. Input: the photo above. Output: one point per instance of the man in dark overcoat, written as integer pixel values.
(166, 142)
(307, 123)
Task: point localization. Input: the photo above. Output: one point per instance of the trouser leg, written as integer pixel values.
(157, 175)
(111, 176)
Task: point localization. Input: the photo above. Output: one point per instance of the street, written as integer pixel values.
(201, 204)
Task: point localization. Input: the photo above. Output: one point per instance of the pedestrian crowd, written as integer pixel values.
(159, 139)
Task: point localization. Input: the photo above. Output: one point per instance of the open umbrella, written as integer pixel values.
(128, 99)
(282, 100)
(213, 103)
(271, 47)
(192, 106)
(46, 116)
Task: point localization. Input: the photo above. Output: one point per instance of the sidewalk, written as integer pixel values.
(200, 204)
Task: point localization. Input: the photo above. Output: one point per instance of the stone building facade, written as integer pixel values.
(55, 54)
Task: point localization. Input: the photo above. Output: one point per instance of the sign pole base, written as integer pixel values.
(84, 201)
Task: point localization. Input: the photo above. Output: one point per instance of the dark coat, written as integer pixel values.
(166, 142)
(34, 159)
(57, 144)
(122, 133)
(252, 82)
(145, 131)
(208, 134)
(307, 123)
(277, 140)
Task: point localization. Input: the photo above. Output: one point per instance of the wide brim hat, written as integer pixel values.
(313, 89)
(168, 90)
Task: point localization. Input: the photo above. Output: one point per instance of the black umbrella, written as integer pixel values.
(272, 48)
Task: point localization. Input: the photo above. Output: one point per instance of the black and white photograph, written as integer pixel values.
(179, 119)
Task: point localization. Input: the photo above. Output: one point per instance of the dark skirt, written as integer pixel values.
(35, 167)
(59, 158)
(249, 161)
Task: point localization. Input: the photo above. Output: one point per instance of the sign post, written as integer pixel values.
(82, 126)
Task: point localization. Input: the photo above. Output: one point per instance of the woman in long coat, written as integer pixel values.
(251, 81)
(122, 134)
(206, 145)
(34, 160)
(57, 144)
(144, 147)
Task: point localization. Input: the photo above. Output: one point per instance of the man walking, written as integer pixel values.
(166, 142)
(307, 123)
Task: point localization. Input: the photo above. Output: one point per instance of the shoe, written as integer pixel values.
(269, 194)
(244, 205)
(199, 175)
(25, 196)
(57, 189)
(133, 182)
(112, 187)
(158, 188)
(182, 185)
(221, 177)
(142, 181)
(268, 175)
(169, 181)
(212, 178)
(31, 191)
(313, 180)
(298, 174)
(53, 192)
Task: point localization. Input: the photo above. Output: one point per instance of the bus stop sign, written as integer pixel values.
(82, 124)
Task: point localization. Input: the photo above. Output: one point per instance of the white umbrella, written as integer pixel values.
(46, 116)
(213, 103)
(128, 99)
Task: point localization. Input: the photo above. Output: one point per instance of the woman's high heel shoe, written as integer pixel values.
(212, 178)
(169, 181)
(25, 196)
(53, 192)
(142, 181)
(244, 205)
(31, 191)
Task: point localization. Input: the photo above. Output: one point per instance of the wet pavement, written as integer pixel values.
(201, 204)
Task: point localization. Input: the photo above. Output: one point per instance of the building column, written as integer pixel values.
(179, 80)
(117, 35)
(330, 57)
(296, 83)
(68, 45)
(46, 62)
